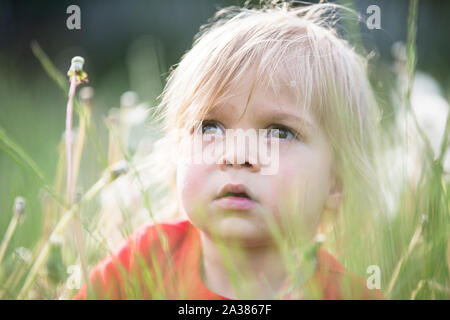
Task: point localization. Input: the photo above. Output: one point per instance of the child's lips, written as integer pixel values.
(235, 203)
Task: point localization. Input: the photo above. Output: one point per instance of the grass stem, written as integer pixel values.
(107, 178)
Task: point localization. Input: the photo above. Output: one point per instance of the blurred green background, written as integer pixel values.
(130, 45)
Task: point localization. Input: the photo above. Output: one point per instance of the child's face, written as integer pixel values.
(301, 188)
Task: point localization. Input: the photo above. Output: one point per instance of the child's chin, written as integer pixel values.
(242, 232)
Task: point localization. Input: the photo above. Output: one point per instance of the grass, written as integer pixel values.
(411, 246)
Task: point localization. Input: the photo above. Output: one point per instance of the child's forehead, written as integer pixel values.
(276, 95)
(262, 103)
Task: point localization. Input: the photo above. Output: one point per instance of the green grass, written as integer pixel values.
(413, 254)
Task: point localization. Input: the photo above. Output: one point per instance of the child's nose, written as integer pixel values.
(231, 160)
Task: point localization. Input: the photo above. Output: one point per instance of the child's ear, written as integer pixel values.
(334, 198)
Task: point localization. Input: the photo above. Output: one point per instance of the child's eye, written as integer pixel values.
(280, 132)
(210, 127)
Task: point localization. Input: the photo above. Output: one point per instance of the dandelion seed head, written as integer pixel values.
(77, 63)
(320, 238)
(137, 114)
(129, 99)
(19, 207)
(56, 240)
(76, 70)
(86, 93)
(23, 254)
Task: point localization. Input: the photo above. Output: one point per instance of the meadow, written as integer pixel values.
(54, 227)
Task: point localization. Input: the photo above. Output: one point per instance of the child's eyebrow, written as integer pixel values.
(283, 116)
(271, 116)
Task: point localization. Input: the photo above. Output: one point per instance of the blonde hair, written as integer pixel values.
(284, 45)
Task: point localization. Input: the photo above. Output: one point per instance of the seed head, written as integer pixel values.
(320, 238)
(56, 240)
(19, 207)
(23, 254)
(77, 63)
(129, 99)
(86, 94)
(76, 70)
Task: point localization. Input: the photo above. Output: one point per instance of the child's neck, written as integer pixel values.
(261, 273)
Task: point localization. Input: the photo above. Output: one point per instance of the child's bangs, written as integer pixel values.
(268, 64)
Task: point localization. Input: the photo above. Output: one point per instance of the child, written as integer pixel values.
(247, 231)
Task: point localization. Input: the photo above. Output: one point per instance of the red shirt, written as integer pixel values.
(141, 269)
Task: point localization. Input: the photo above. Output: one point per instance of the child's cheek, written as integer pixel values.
(190, 186)
(295, 191)
(280, 189)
